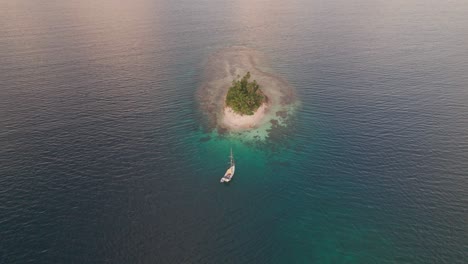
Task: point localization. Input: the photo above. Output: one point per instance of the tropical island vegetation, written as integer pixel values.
(244, 97)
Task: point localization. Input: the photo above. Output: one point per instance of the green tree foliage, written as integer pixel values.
(244, 97)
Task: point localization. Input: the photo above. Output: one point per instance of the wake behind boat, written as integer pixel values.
(230, 172)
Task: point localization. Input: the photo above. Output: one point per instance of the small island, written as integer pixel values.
(237, 95)
(245, 97)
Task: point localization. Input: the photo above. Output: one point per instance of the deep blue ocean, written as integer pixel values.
(104, 157)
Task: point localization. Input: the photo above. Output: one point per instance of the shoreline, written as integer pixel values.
(236, 121)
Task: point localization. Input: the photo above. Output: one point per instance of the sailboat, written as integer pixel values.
(230, 172)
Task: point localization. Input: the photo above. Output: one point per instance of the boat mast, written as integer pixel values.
(231, 157)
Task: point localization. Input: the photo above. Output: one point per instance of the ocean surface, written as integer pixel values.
(104, 157)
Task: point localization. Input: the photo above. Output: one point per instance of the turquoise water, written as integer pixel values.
(105, 157)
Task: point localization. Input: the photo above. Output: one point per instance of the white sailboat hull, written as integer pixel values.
(229, 174)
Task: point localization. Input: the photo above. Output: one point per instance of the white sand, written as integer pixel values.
(241, 122)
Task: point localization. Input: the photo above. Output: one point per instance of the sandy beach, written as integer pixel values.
(240, 122)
